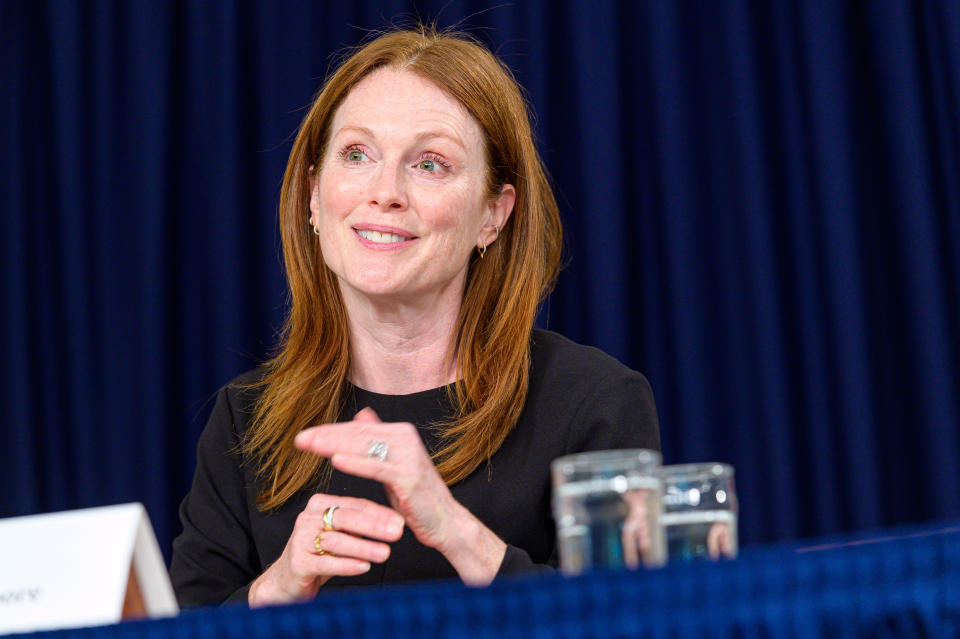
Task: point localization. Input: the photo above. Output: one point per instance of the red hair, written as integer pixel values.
(307, 382)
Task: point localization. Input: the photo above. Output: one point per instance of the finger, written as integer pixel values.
(630, 555)
(366, 415)
(353, 437)
(319, 502)
(346, 545)
(332, 565)
(723, 542)
(354, 515)
(369, 520)
(367, 467)
(644, 540)
(716, 540)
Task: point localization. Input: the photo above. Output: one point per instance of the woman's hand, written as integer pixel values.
(719, 541)
(346, 550)
(636, 537)
(413, 486)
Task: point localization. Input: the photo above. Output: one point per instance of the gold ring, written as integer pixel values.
(328, 518)
(316, 544)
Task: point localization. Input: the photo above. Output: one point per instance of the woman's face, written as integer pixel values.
(400, 198)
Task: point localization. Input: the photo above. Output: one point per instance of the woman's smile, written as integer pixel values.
(381, 238)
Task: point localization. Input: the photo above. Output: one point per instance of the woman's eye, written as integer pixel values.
(354, 155)
(432, 164)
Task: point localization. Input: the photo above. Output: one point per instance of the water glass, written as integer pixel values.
(699, 516)
(606, 505)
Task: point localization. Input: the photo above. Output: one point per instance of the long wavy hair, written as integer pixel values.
(307, 382)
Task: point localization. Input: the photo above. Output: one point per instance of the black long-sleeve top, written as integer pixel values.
(579, 399)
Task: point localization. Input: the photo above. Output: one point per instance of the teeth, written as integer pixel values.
(381, 238)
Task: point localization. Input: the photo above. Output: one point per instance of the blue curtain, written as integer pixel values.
(762, 205)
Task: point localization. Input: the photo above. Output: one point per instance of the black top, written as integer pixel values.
(579, 399)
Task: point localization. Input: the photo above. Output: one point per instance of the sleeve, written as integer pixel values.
(214, 558)
(618, 413)
(516, 561)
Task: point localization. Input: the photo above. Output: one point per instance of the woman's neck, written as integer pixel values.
(398, 349)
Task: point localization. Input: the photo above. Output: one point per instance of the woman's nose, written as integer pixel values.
(388, 191)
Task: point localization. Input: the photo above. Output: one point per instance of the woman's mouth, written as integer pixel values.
(384, 238)
(381, 238)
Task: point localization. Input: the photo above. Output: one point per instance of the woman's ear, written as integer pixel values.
(503, 205)
(500, 210)
(314, 195)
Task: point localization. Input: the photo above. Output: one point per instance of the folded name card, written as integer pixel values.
(81, 568)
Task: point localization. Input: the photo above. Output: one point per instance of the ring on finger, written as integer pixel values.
(377, 449)
(316, 545)
(328, 518)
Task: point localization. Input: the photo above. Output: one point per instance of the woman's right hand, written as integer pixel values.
(348, 549)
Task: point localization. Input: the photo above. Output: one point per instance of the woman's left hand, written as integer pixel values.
(413, 487)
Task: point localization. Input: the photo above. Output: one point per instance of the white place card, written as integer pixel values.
(81, 568)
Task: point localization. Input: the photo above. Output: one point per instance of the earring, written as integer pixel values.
(483, 248)
(316, 231)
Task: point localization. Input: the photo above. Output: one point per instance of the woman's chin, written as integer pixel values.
(404, 287)
(378, 289)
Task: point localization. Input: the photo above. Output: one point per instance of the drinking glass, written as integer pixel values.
(699, 514)
(607, 505)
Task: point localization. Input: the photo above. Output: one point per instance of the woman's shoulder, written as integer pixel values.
(557, 356)
(239, 396)
(568, 372)
(247, 380)
(605, 403)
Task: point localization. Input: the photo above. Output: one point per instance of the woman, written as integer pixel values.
(406, 427)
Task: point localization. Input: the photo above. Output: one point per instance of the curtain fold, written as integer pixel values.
(761, 201)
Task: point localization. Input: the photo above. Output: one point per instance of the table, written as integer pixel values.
(898, 583)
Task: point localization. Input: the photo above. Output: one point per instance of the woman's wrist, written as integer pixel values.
(254, 593)
(473, 550)
(266, 590)
(261, 593)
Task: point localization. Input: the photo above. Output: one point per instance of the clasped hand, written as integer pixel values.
(418, 498)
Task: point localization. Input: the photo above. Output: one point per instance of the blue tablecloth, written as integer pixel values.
(905, 583)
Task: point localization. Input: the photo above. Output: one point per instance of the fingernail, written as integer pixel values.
(395, 527)
(364, 566)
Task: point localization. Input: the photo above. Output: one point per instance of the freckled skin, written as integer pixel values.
(404, 158)
(406, 155)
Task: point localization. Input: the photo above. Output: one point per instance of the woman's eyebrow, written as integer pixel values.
(357, 129)
(421, 136)
(429, 135)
